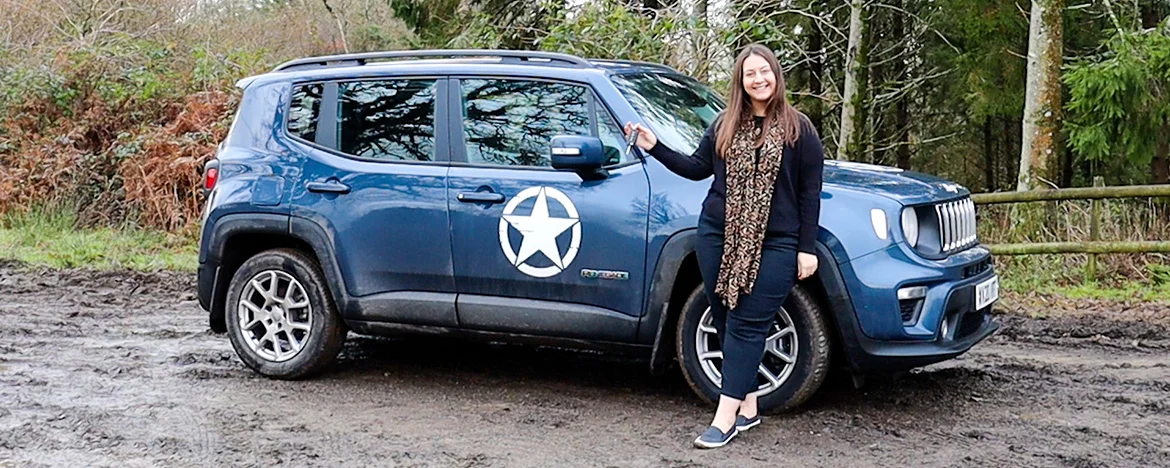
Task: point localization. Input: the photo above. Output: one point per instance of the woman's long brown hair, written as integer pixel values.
(739, 106)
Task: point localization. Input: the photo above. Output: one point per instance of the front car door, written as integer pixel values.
(536, 250)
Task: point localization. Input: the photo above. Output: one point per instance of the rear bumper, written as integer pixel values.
(205, 279)
(208, 281)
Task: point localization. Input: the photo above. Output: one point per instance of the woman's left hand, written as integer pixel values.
(806, 265)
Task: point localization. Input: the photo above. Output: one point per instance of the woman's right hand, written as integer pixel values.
(646, 138)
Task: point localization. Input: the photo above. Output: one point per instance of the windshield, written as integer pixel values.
(678, 108)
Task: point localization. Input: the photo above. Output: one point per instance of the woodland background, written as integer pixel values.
(108, 108)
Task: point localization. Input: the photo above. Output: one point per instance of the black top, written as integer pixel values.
(796, 202)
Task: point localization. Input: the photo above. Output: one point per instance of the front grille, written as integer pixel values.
(956, 225)
(976, 268)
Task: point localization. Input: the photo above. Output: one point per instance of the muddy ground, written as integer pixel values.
(118, 369)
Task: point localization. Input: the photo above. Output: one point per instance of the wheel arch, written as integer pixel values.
(666, 302)
(238, 237)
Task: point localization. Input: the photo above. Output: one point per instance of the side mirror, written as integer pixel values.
(581, 154)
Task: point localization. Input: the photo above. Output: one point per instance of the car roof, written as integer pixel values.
(449, 62)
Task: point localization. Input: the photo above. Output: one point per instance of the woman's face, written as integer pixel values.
(759, 80)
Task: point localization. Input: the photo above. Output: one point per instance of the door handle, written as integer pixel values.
(481, 197)
(329, 186)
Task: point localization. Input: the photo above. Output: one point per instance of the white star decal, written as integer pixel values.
(540, 232)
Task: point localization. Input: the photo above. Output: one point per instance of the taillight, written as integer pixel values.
(210, 175)
(209, 178)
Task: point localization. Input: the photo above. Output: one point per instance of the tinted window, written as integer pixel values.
(390, 120)
(679, 109)
(511, 122)
(612, 137)
(302, 115)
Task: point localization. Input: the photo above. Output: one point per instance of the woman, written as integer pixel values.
(758, 225)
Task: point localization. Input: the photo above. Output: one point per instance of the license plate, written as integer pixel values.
(986, 292)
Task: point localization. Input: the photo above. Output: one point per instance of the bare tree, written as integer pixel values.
(850, 98)
(1042, 94)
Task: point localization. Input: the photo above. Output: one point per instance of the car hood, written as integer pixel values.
(907, 187)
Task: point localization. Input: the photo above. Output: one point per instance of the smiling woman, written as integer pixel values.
(757, 231)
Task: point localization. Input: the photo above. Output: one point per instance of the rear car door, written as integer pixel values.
(375, 181)
(536, 250)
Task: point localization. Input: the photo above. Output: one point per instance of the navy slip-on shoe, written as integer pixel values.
(714, 438)
(744, 424)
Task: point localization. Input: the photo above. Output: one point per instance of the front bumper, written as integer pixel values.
(875, 337)
(876, 356)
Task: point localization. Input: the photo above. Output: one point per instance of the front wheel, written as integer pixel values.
(796, 353)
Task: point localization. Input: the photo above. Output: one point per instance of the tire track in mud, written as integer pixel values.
(118, 368)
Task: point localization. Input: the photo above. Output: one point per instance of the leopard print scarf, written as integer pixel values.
(750, 185)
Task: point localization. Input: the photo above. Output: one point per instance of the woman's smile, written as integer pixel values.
(759, 80)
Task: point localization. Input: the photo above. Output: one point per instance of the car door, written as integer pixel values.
(375, 181)
(536, 250)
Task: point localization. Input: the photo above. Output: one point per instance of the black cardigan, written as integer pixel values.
(796, 201)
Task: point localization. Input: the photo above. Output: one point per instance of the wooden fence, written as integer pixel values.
(1095, 245)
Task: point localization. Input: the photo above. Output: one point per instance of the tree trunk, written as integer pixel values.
(902, 111)
(847, 142)
(988, 156)
(1042, 95)
(701, 42)
(880, 126)
(1151, 14)
(1067, 168)
(340, 28)
(816, 70)
(1010, 149)
(1161, 162)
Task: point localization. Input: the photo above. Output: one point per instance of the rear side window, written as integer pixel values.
(302, 115)
(392, 120)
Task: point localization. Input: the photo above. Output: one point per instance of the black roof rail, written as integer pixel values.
(363, 58)
(635, 62)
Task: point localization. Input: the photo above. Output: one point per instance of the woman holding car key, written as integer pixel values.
(758, 225)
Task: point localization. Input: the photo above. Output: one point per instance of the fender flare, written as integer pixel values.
(213, 285)
(828, 284)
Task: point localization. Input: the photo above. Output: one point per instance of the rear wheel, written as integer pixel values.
(796, 356)
(280, 317)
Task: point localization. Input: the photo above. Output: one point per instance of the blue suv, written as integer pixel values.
(491, 195)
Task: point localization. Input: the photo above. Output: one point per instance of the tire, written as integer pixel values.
(303, 312)
(805, 374)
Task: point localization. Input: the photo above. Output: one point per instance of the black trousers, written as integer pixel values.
(743, 330)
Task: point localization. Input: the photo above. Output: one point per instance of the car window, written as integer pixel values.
(393, 120)
(678, 108)
(611, 136)
(512, 122)
(302, 114)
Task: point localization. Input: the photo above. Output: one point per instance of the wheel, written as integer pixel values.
(281, 318)
(796, 356)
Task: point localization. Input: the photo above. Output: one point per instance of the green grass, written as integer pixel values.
(1122, 290)
(1126, 291)
(51, 239)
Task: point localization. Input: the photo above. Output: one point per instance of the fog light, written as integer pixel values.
(910, 300)
(945, 329)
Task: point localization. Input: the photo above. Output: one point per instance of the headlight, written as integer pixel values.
(910, 226)
(880, 227)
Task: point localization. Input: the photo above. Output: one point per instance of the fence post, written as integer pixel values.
(1094, 231)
